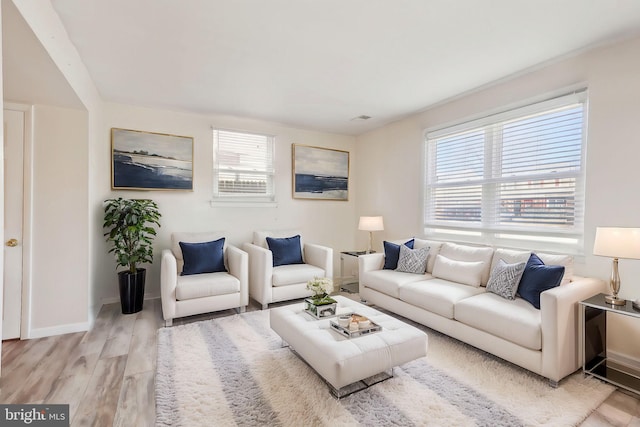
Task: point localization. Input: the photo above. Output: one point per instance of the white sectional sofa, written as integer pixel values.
(544, 341)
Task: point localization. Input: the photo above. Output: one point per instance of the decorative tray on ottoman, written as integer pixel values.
(362, 330)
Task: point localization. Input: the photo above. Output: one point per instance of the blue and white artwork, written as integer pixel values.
(320, 173)
(151, 161)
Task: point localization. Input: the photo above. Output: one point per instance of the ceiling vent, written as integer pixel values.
(362, 117)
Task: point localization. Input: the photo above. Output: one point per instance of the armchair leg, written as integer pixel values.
(265, 306)
(168, 323)
(242, 309)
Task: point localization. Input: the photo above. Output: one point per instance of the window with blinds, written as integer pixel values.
(512, 176)
(243, 166)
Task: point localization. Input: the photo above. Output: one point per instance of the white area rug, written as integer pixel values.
(234, 371)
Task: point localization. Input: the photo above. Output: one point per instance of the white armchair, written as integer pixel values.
(205, 292)
(269, 284)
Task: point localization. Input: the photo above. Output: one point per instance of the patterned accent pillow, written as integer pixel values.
(505, 278)
(413, 260)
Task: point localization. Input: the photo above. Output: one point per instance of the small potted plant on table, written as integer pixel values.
(130, 228)
(320, 304)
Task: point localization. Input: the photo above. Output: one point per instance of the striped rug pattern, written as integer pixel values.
(234, 371)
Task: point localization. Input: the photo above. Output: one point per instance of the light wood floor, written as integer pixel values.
(107, 375)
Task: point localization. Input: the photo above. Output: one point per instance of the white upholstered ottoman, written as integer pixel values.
(344, 361)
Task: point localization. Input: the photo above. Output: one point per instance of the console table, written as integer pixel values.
(593, 315)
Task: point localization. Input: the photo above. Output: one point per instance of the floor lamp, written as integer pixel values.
(370, 224)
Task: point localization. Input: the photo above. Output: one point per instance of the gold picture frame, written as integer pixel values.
(320, 173)
(150, 161)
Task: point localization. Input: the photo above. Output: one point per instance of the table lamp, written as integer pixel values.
(616, 242)
(370, 224)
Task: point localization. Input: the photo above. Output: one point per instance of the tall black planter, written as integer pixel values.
(131, 290)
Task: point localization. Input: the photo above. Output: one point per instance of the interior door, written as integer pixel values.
(13, 205)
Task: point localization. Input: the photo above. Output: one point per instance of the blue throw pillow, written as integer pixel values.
(537, 278)
(392, 253)
(206, 257)
(285, 250)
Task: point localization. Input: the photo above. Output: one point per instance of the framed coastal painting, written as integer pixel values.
(320, 173)
(150, 161)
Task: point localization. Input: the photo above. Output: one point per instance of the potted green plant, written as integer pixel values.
(129, 225)
(320, 304)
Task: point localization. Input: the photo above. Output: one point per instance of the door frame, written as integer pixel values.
(27, 215)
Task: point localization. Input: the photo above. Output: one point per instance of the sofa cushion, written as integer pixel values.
(437, 295)
(516, 321)
(388, 281)
(465, 272)
(505, 278)
(285, 250)
(392, 253)
(203, 257)
(434, 249)
(413, 260)
(470, 254)
(564, 260)
(206, 285)
(509, 256)
(537, 278)
(293, 274)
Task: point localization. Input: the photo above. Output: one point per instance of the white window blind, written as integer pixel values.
(513, 176)
(243, 166)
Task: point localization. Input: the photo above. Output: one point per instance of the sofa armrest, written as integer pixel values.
(369, 262)
(260, 272)
(560, 325)
(168, 282)
(319, 256)
(238, 261)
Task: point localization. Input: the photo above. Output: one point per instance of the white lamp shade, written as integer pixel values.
(371, 223)
(617, 242)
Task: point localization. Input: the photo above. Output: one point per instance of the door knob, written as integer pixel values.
(12, 242)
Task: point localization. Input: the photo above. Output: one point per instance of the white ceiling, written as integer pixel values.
(319, 63)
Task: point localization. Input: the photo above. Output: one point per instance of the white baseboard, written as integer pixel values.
(624, 359)
(58, 330)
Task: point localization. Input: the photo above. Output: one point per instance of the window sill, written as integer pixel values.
(242, 204)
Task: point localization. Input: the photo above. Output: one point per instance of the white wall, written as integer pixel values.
(390, 174)
(330, 223)
(1, 181)
(46, 26)
(59, 224)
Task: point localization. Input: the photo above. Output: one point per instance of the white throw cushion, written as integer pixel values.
(434, 249)
(470, 253)
(509, 256)
(413, 260)
(465, 272)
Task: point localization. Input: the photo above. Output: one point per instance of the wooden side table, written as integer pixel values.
(593, 316)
